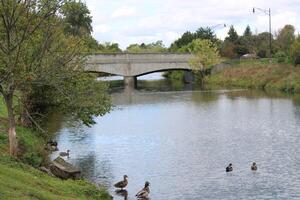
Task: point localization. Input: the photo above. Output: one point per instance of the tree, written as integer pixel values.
(206, 55)
(36, 54)
(248, 32)
(185, 39)
(232, 35)
(108, 47)
(147, 48)
(296, 51)
(286, 38)
(262, 44)
(77, 18)
(206, 34)
(228, 50)
(201, 33)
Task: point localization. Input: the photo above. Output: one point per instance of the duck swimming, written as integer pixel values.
(122, 184)
(254, 167)
(63, 154)
(144, 193)
(229, 168)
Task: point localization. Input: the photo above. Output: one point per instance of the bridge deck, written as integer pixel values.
(137, 64)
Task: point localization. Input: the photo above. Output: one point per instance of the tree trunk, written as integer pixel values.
(202, 79)
(13, 144)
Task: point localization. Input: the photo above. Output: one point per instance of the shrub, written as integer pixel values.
(281, 57)
(262, 53)
(32, 158)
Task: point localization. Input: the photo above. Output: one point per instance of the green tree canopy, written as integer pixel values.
(296, 51)
(205, 53)
(108, 47)
(232, 35)
(206, 34)
(248, 32)
(262, 44)
(154, 47)
(201, 33)
(78, 20)
(37, 56)
(286, 38)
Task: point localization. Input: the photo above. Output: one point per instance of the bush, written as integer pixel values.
(32, 158)
(281, 57)
(262, 53)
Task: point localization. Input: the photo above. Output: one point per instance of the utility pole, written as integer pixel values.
(267, 12)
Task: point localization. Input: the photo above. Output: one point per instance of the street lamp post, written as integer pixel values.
(267, 12)
(216, 26)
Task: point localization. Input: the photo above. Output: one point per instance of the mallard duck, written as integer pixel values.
(62, 154)
(144, 193)
(122, 193)
(229, 168)
(254, 167)
(122, 184)
(51, 146)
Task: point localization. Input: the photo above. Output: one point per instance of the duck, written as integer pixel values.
(122, 184)
(144, 193)
(122, 193)
(229, 168)
(254, 166)
(63, 154)
(51, 145)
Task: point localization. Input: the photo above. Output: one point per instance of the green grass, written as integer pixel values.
(258, 75)
(20, 180)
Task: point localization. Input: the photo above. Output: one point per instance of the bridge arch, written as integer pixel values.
(131, 65)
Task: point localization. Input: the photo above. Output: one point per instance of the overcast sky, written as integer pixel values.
(136, 21)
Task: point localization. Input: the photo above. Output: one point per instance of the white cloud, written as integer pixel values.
(135, 21)
(101, 28)
(124, 11)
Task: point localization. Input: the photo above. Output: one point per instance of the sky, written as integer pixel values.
(145, 21)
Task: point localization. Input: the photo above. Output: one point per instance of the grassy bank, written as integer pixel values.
(258, 75)
(20, 180)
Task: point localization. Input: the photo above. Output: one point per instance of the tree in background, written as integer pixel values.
(201, 33)
(286, 38)
(78, 20)
(296, 51)
(206, 34)
(247, 32)
(154, 47)
(185, 39)
(206, 55)
(262, 45)
(232, 35)
(245, 43)
(108, 47)
(228, 48)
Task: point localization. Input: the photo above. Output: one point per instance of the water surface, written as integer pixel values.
(182, 141)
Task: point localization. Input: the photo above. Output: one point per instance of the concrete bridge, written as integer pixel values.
(132, 65)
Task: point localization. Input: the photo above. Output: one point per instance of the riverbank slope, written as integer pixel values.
(257, 75)
(20, 180)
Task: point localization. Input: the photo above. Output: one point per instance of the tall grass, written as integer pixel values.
(258, 75)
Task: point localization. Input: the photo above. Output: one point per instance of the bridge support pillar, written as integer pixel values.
(188, 76)
(130, 81)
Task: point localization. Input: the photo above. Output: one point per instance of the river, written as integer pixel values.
(181, 142)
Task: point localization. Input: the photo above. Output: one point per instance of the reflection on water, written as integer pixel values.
(181, 143)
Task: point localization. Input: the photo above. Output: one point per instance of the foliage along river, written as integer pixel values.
(181, 142)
